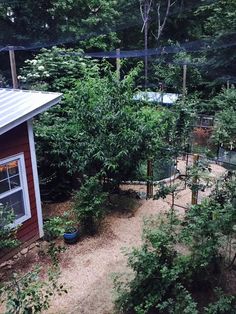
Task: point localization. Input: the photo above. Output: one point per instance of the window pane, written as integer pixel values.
(4, 186)
(3, 172)
(15, 201)
(13, 168)
(15, 182)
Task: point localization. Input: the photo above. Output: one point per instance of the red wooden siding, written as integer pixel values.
(14, 142)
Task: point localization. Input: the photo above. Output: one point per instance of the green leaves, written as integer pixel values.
(170, 75)
(224, 304)
(56, 226)
(223, 104)
(7, 230)
(224, 132)
(55, 70)
(88, 23)
(180, 257)
(89, 206)
(29, 293)
(98, 127)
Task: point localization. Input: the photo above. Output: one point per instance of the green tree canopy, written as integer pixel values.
(31, 22)
(98, 128)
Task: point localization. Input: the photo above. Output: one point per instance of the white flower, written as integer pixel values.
(34, 62)
(41, 68)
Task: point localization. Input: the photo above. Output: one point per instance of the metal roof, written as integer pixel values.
(164, 98)
(18, 106)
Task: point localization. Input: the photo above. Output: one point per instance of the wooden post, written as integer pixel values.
(228, 84)
(186, 169)
(184, 80)
(195, 192)
(146, 43)
(118, 63)
(149, 181)
(13, 67)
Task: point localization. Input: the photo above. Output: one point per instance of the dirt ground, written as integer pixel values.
(87, 267)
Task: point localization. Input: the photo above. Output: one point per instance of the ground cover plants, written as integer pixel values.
(182, 258)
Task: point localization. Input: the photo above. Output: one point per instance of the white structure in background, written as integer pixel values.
(166, 99)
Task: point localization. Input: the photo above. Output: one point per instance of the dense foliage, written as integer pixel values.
(59, 21)
(105, 25)
(98, 136)
(7, 229)
(180, 258)
(90, 205)
(170, 74)
(98, 128)
(56, 226)
(224, 132)
(30, 293)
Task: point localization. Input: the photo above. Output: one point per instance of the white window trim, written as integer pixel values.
(24, 187)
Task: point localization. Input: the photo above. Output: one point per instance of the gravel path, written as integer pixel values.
(88, 265)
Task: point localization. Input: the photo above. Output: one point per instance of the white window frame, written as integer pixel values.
(24, 186)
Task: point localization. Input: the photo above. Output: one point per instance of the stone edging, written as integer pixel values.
(9, 263)
(167, 180)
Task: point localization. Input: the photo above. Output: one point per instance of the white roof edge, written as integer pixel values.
(29, 91)
(33, 113)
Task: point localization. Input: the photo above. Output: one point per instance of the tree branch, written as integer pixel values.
(94, 10)
(160, 26)
(145, 8)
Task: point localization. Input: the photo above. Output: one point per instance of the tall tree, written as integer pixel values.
(158, 11)
(89, 23)
(219, 22)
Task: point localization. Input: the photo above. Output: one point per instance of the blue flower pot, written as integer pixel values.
(71, 237)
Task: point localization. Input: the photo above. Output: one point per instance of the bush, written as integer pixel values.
(7, 231)
(31, 294)
(56, 226)
(225, 304)
(89, 205)
(164, 279)
(159, 274)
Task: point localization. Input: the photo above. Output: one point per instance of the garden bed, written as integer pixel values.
(86, 267)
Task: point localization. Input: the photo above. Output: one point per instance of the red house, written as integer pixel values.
(19, 186)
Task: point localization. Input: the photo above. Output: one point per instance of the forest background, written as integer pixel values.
(205, 29)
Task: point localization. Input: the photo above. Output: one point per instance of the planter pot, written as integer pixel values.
(71, 237)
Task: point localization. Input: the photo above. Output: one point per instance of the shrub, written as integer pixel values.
(159, 272)
(163, 279)
(201, 232)
(211, 223)
(7, 231)
(225, 304)
(54, 251)
(31, 294)
(56, 226)
(89, 205)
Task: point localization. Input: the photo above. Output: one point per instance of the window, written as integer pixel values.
(13, 187)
